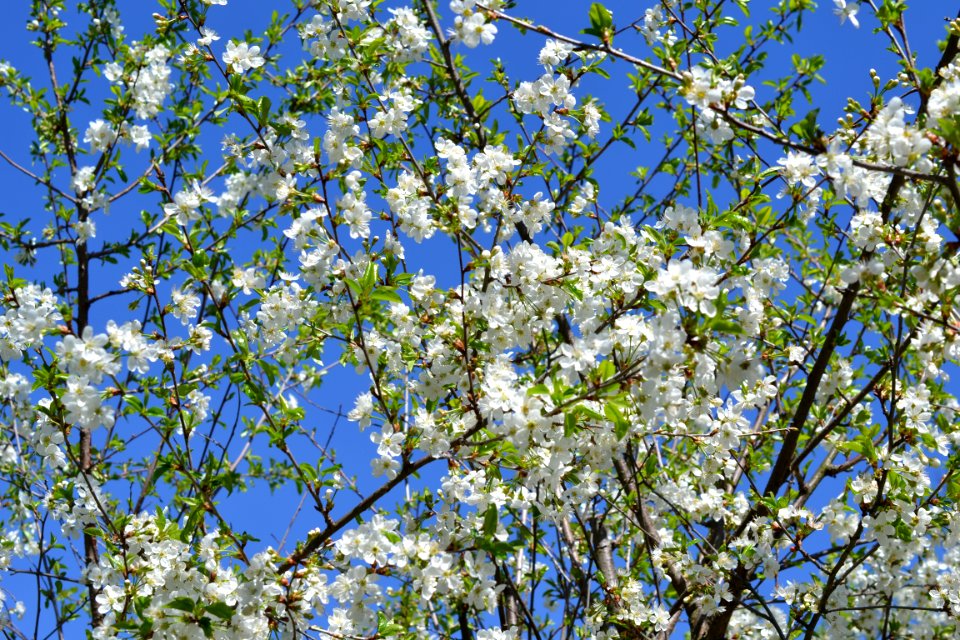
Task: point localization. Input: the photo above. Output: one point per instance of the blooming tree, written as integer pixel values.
(708, 397)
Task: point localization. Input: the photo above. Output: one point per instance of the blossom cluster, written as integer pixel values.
(716, 398)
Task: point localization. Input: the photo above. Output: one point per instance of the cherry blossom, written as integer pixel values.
(394, 338)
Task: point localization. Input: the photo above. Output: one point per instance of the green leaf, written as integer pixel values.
(206, 625)
(726, 326)
(600, 17)
(369, 277)
(904, 532)
(601, 22)
(569, 425)
(950, 129)
(807, 129)
(244, 104)
(863, 444)
(385, 628)
(354, 286)
(183, 603)
(490, 521)
(387, 294)
(221, 610)
(538, 390)
(584, 410)
(263, 110)
(620, 424)
(890, 12)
